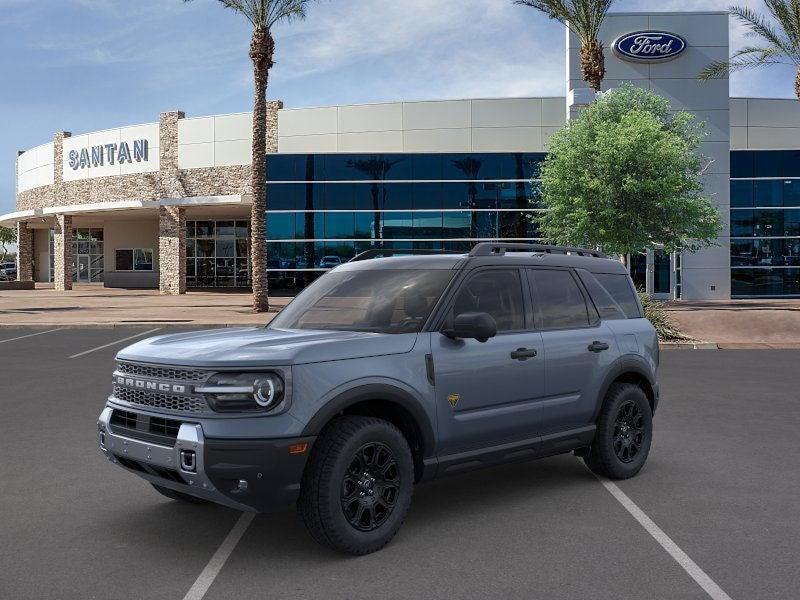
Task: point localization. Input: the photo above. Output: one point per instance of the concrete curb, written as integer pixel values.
(689, 345)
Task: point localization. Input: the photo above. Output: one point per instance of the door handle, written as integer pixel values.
(523, 354)
(596, 346)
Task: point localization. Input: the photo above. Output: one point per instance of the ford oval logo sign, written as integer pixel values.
(649, 46)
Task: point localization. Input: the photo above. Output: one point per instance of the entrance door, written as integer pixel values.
(83, 268)
(662, 270)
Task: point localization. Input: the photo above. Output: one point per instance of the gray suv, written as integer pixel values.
(386, 372)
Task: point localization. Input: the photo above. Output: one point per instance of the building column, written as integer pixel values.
(171, 250)
(24, 252)
(62, 253)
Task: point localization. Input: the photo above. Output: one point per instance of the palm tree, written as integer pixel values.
(262, 15)
(584, 19)
(780, 41)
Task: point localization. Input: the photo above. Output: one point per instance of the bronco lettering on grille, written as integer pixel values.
(155, 386)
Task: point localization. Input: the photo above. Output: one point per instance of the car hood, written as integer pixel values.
(259, 346)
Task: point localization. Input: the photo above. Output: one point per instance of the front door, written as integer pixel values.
(487, 393)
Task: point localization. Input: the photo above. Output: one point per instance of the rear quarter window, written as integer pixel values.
(619, 286)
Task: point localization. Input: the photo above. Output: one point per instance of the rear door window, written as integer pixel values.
(558, 301)
(607, 307)
(618, 285)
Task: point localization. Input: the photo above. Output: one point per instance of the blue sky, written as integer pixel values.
(84, 65)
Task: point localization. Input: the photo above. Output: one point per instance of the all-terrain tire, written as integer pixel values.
(624, 433)
(175, 495)
(340, 480)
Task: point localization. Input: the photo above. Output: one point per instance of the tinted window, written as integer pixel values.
(381, 301)
(558, 300)
(497, 292)
(607, 307)
(619, 286)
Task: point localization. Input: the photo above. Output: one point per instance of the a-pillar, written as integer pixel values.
(171, 250)
(24, 252)
(62, 253)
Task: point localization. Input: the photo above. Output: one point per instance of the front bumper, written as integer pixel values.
(245, 474)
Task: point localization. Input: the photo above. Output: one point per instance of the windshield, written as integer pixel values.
(381, 301)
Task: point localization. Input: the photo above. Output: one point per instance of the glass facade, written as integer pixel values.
(328, 207)
(217, 254)
(765, 223)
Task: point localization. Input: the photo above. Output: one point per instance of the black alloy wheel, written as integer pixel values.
(628, 431)
(370, 487)
(357, 485)
(624, 433)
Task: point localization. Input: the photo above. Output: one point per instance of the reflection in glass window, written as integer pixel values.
(218, 252)
(558, 300)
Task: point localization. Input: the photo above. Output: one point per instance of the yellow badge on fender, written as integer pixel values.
(453, 399)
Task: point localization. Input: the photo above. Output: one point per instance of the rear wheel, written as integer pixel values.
(175, 495)
(624, 433)
(357, 487)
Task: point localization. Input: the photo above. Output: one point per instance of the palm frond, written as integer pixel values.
(784, 14)
(263, 14)
(759, 26)
(745, 58)
(583, 17)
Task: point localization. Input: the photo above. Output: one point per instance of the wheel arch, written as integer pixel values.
(388, 402)
(629, 371)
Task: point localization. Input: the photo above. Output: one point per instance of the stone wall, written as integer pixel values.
(172, 250)
(24, 252)
(62, 253)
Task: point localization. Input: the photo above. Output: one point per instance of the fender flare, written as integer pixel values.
(624, 365)
(375, 391)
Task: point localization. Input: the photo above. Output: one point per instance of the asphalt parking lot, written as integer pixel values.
(722, 483)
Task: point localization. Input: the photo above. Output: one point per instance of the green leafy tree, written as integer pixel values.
(8, 236)
(584, 19)
(263, 15)
(626, 175)
(778, 40)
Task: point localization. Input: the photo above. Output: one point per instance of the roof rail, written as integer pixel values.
(378, 252)
(500, 248)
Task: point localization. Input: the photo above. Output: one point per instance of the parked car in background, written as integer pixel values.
(328, 262)
(8, 271)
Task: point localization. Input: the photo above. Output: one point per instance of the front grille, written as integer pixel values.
(156, 430)
(156, 372)
(171, 402)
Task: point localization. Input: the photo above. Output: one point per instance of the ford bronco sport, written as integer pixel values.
(390, 371)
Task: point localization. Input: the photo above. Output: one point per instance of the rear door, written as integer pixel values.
(578, 347)
(487, 393)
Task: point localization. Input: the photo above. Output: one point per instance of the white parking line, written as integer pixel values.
(214, 566)
(688, 565)
(114, 343)
(22, 337)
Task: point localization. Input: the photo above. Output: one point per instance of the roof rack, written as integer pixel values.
(500, 248)
(378, 252)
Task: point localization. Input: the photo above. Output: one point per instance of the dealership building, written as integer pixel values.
(167, 204)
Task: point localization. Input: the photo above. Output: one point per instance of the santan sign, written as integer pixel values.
(649, 46)
(97, 156)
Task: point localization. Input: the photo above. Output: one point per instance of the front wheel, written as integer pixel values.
(624, 433)
(357, 487)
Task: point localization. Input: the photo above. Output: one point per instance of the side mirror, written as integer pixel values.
(472, 325)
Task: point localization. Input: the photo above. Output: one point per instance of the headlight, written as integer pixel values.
(240, 392)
